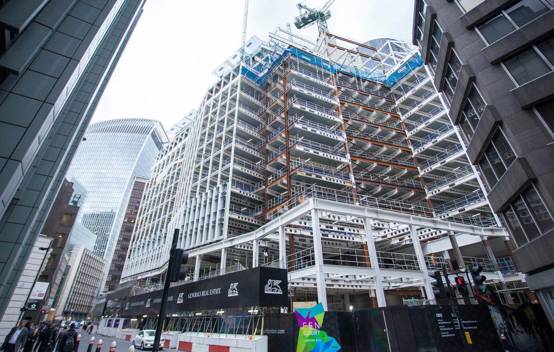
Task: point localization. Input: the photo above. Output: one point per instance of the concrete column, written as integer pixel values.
(318, 257)
(446, 256)
(421, 263)
(492, 258)
(456, 250)
(223, 262)
(197, 264)
(255, 253)
(282, 248)
(372, 253)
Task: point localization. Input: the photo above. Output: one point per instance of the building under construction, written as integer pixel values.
(335, 160)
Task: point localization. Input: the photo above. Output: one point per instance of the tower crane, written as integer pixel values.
(310, 15)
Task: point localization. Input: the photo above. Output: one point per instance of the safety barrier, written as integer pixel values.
(170, 339)
(127, 334)
(204, 342)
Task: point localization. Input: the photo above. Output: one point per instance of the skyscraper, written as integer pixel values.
(55, 60)
(494, 61)
(112, 154)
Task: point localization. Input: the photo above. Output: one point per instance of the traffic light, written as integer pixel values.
(461, 285)
(438, 286)
(178, 265)
(478, 279)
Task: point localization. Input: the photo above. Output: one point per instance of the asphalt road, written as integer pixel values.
(122, 346)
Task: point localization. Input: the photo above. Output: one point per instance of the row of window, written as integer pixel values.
(528, 217)
(497, 158)
(434, 45)
(531, 63)
(512, 18)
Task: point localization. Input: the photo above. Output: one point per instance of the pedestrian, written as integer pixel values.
(16, 338)
(31, 338)
(46, 339)
(59, 336)
(68, 342)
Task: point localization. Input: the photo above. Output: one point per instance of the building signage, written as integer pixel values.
(258, 287)
(39, 290)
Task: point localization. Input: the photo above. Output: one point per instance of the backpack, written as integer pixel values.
(69, 343)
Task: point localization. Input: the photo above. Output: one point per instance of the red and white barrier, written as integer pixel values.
(170, 339)
(203, 342)
(127, 334)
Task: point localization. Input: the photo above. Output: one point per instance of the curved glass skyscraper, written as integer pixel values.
(109, 158)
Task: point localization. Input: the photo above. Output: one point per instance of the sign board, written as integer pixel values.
(258, 287)
(39, 290)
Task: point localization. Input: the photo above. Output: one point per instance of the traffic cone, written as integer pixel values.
(90, 344)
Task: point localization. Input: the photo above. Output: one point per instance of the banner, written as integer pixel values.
(39, 290)
(258, 287)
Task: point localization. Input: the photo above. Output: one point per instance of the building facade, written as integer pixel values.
(122, 245)
(58, 227)
(493, 61)
(112, 154)
(55, 60)
(313, 160)
(157, 209)
(81, 285)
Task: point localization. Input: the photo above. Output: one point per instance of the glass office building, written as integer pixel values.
(109, 158)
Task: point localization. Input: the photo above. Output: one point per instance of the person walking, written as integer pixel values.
(68, 342)
(31, 338)
(16, 338)
(46, 339)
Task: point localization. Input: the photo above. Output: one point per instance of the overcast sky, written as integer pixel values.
(168, 63)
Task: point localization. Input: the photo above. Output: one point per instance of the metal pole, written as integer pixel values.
(161, 316)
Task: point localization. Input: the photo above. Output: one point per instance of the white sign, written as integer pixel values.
(233, 290)
(39, 290)
(273, 287)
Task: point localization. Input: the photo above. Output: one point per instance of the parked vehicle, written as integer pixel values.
(145, 339)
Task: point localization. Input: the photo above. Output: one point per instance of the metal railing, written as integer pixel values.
(484, 262)
(353, 257)
(226, 325)
(313, 106)
(432, 136)
(440, 156)
(318, 91)
(453, 176)
(464, 201)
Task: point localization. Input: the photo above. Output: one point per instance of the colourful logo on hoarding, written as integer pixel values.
(310, 336)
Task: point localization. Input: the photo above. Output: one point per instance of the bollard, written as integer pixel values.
(113, 346)
(78, 342)
(90, 344)
(99, 345)
(131, 348)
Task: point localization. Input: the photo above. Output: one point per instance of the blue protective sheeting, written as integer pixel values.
(390, 80)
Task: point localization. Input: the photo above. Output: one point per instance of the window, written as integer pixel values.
(497, 157)
(420, 21)
(512, 18)
(526, 66)
(527, 217)
(453, 68)
(472, 109)
(436, 36)
(546, 113)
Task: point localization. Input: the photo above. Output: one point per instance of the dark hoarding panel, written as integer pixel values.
(258, 287)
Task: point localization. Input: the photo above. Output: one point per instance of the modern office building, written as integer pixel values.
(494, 63)
(157, 209)
(81, 284)
(112, 154)
(56, 58)
(125, 233)
(307, 157)
(25, 285)
(58, 227)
